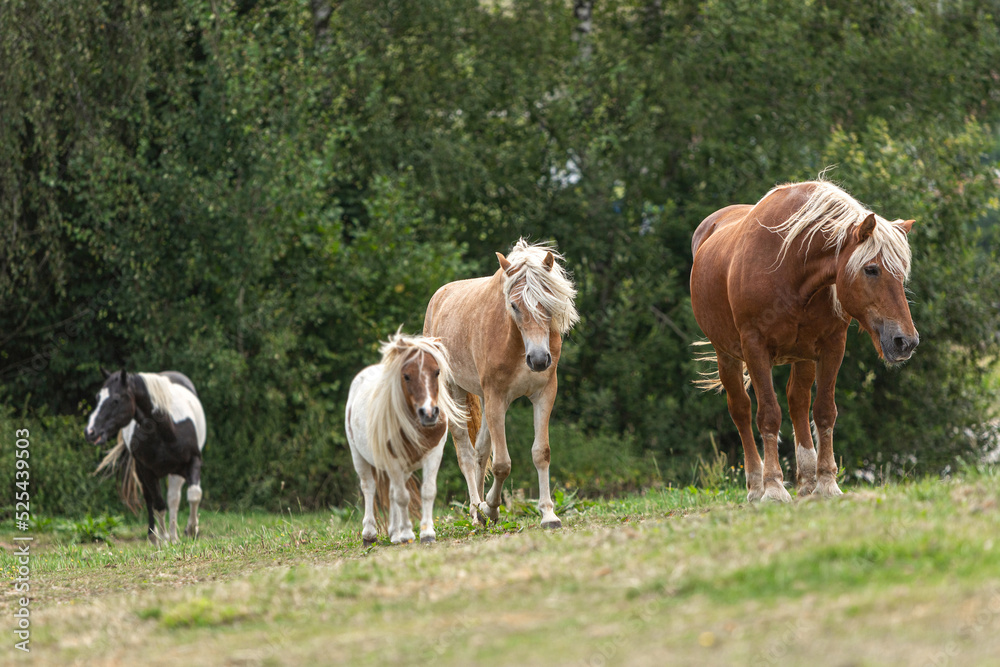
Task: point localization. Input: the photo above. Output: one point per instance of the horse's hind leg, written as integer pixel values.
(400, 526)
(825, 416)
(194, 497)
(174, 484)
(366, 476)
(731, 375)
(540, 453)
(799, 392)
(468, 460)
(155, 507)
(758, 363)
(495, 410)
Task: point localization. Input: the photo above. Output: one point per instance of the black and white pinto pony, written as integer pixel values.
(159, 425)
(396, 420)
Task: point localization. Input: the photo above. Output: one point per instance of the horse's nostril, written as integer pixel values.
(900, 342)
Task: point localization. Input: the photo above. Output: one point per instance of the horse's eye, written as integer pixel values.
(513, 306)
(437, 373)
(872, 271)
(406, 377)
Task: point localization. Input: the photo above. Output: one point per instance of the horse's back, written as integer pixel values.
(356, 413)
(186, 404)
(450, 301)
(716, 221)
(179, 378)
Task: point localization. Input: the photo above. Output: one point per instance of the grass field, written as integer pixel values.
(901, 575)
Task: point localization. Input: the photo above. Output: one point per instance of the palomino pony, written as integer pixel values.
(397, 420)
(504, 334)
(778, 283)
(159, 425)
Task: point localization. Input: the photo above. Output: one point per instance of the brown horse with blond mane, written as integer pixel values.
(779, 283)
(503, 334)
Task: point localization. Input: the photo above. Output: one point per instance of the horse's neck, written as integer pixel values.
(145, 414)
(817, 272)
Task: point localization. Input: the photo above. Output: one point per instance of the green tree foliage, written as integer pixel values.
(255, 192)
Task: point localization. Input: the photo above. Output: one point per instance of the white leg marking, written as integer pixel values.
(194, 497)
(428, 491)
(805, 465)
(174, 484)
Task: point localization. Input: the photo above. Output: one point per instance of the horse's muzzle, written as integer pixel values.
(428, 417)
(896, 345)
(538, 360)
(93, 437)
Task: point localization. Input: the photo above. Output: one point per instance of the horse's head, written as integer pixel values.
(115, 408)
(870, 288)
(533, 320)
(419, 377)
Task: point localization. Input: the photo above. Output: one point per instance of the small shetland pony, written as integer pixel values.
(778, 283)
(396, 421)
(504, 334)
(159, 426)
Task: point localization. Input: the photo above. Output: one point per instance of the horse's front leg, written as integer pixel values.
(825, 416)
(540, 453)
(758, 363)
(428, 491)
(495, 410)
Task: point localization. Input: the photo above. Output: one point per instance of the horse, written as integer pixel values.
(779, 282)
(159, 425)
(504, 335)
(396, 420)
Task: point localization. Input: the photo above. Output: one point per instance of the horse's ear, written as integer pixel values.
(105, 372)
(906, 225)
(124, 377)
(504, 264)
(865, 228)
(548, 261)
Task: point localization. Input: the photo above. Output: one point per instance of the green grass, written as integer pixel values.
(906, 574)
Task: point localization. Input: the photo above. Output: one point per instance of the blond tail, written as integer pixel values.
(120, 458)
(473, 424)
(710, 380)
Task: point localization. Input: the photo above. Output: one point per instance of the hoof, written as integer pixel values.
(827, 487)
(806, 489)
(427, 539)
(365, 542)
(753, 495)
(487, 513)
(552, 525)
(193, 534)
(775, 492)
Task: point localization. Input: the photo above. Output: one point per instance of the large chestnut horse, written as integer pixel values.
(778, 283)
(503, 334)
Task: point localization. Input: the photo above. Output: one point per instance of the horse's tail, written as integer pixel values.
(120, 458)
(474, 423)
(710, 380)
(382, 499)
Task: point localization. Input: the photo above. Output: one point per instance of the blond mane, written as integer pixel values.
(545, 293)
(834, 213)
(393, 432)
(160, 393)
